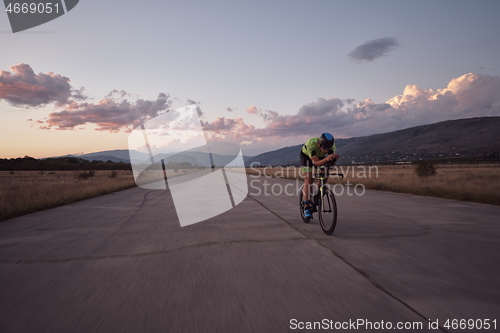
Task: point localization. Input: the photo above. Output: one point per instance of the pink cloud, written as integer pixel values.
(471, 95)
(252, 109)
(22, 87)
(109, 114)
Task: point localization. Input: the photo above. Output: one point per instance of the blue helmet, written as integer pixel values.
(326, 141)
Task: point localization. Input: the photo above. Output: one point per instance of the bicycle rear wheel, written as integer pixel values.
(301, 205)
(327, 212)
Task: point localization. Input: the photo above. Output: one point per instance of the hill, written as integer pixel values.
(118, 155)
(452, 138)
(122, 155)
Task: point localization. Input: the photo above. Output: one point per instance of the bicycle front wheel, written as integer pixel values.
(327, 211)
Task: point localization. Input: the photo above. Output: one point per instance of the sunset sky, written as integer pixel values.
(264, 73)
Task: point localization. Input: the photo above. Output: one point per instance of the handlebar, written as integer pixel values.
(330, 164)
(320, 171)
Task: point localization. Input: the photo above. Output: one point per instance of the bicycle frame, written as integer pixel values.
(327, 203)
(319, 173)
(319, 192)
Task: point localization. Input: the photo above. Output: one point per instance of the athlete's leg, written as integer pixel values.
(307, 185)
(306, 173)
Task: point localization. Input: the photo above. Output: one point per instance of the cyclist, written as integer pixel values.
(317, 152)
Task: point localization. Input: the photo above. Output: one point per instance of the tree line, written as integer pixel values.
(28, 163)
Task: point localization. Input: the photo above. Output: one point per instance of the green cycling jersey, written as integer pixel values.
(311, 148)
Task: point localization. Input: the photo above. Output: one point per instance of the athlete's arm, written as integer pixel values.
(320, 162)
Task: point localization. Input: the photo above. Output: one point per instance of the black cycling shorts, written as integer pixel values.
(305, 160)
(306, 163)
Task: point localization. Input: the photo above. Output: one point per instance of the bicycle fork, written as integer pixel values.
(320, 199)
(316, 199)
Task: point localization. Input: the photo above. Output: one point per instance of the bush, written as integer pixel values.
(425, 168)
(85, 174)
(113, 174)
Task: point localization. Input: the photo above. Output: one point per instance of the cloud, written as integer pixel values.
(109, 114)
(252, 109)
(220, 124)
(266, 115)
(234, 128)
(471, 95)
(22, 87)
(191, 102)
(374, 49)
(120, 94)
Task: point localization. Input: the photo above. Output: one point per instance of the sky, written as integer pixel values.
(263, 74)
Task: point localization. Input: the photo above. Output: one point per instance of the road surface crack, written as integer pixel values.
(360, 271)
(151, 253)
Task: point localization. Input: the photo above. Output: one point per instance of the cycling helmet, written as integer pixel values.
(326, 141)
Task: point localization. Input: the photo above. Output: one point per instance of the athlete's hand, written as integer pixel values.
(333, 157)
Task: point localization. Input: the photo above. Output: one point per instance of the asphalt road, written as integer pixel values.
(122, 263)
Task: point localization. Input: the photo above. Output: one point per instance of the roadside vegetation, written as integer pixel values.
(23, 192)
(472, 182)
(467, 183)
(60, 163)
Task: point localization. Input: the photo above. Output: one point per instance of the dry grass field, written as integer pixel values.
(478, 183)
(24, 192)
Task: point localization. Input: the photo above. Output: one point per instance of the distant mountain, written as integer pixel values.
(103, 158)
(122, 155)
(119, 155)
(463, 137)
(198, 158)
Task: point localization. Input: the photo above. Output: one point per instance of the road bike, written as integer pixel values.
(323, 200)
